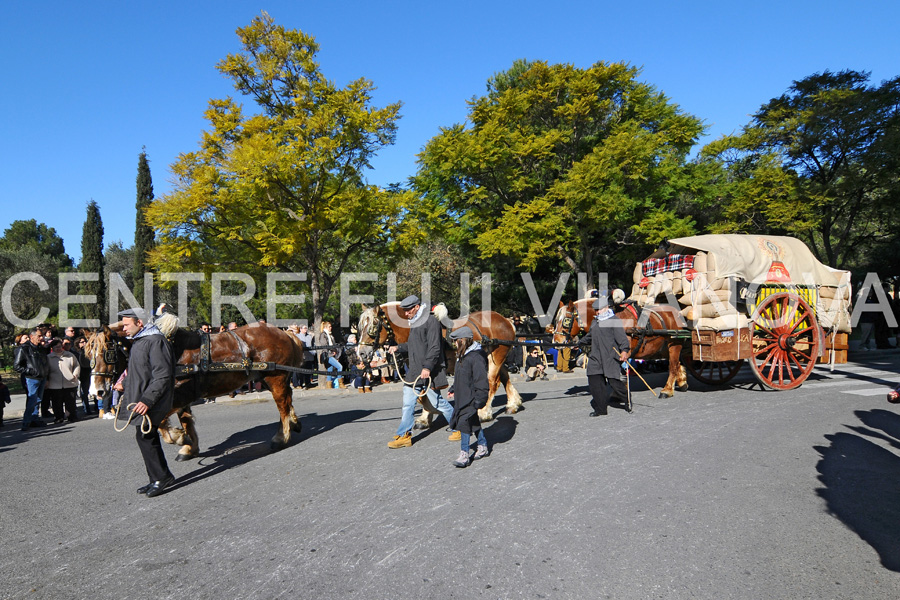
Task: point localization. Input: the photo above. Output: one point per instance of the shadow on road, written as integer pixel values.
(246, 446)
(860, 482)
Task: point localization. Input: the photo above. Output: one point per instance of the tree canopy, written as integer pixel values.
(563, 163)
(37, 236)
(819, 162)
(282, 188)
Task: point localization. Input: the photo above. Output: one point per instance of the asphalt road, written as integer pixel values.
(732, 493)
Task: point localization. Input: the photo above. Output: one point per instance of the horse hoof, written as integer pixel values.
(665, 395)
(682, 388)
(419, 426)
(276, 446)
(183, 457)
(296, 427)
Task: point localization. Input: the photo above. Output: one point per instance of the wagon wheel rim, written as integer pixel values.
(714, 373)
(784, 341)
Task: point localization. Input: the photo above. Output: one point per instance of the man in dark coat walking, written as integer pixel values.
(609, 349)
(150, 384)
(426, 361)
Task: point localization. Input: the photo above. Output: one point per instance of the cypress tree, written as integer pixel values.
(144, 237)
(92, 262)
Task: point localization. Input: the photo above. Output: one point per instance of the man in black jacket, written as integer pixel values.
(426, 364)
(150, 385)
(610, 347)
(31, 361)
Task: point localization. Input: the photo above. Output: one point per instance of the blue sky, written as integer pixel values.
(87, 85)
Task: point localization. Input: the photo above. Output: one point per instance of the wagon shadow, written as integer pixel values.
(244, 447)
(859, 478)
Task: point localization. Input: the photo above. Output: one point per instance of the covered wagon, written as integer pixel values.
(766, 299)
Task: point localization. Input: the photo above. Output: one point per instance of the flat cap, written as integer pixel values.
(134, 313)
(461, 334)
(410, 302)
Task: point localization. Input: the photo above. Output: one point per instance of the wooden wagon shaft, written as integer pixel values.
(673, 333)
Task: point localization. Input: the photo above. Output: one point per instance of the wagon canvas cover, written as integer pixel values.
(761, 258)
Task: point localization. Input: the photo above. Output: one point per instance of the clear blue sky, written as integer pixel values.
(87, 85)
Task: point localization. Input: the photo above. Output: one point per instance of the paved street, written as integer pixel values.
(732, 493)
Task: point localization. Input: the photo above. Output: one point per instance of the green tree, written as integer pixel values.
(819, 162)
(40, 237)
(92, 262)
(565, 164)
(144, 237)
(282, 188)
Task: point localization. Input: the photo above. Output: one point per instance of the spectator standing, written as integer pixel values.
(309, 357)
(4, 400)
(62, 381)
(84, 379)
(31, 362)
(328, 357)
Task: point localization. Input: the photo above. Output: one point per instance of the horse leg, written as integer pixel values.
(281, 392)
(190, 440)
(487, 413)
(424, 420)
(681, 382)
(169, 435)
(669, 390)
(513, 399)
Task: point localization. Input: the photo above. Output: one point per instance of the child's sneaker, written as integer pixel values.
(481, 452)
(463, 461)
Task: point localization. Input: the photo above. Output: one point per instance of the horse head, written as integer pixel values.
(104, 348)
(369, 326)
(566, 326)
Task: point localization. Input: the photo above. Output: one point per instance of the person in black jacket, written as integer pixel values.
(150, 385)
(426, 366)
(470, 393)
(609, 348)
(31, 362)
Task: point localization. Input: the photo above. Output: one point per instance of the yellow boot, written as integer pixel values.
(455, 436)
(401, 441)
(101, 413)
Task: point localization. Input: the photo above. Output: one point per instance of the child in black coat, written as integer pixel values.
(470, 393)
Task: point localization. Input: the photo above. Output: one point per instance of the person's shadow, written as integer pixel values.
(860, 481)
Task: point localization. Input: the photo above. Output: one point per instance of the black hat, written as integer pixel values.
(410, 302)
(461, 333)
(134, 313)
(601, 303)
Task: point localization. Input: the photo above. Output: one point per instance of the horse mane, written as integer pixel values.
(440, 312)
(167, 324)
(96, 341)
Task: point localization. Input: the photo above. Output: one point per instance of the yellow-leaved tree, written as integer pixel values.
(282, 188)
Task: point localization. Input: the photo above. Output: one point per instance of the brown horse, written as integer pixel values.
(575, 318)
(253, 343)
(383, 325)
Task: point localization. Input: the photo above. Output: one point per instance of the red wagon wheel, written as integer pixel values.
(714, 373)
(785, 341)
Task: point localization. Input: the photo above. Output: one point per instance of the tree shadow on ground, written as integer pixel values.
(860, 482)
(251, 444)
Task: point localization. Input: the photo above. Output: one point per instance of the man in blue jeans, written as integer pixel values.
(426, 363)
(31, 361)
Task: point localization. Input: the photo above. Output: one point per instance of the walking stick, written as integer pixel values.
(628, 406)
(631, 366)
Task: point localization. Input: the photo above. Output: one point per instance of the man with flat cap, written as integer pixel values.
(426, 365)
(150, 385)
(609, 348)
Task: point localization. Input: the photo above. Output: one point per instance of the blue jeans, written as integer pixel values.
(35, 391)
(333, 365)
(409, 406)
(464, 440)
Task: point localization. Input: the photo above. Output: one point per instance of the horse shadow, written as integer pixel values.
(243, 447)
(859, 481)
(502, 430)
